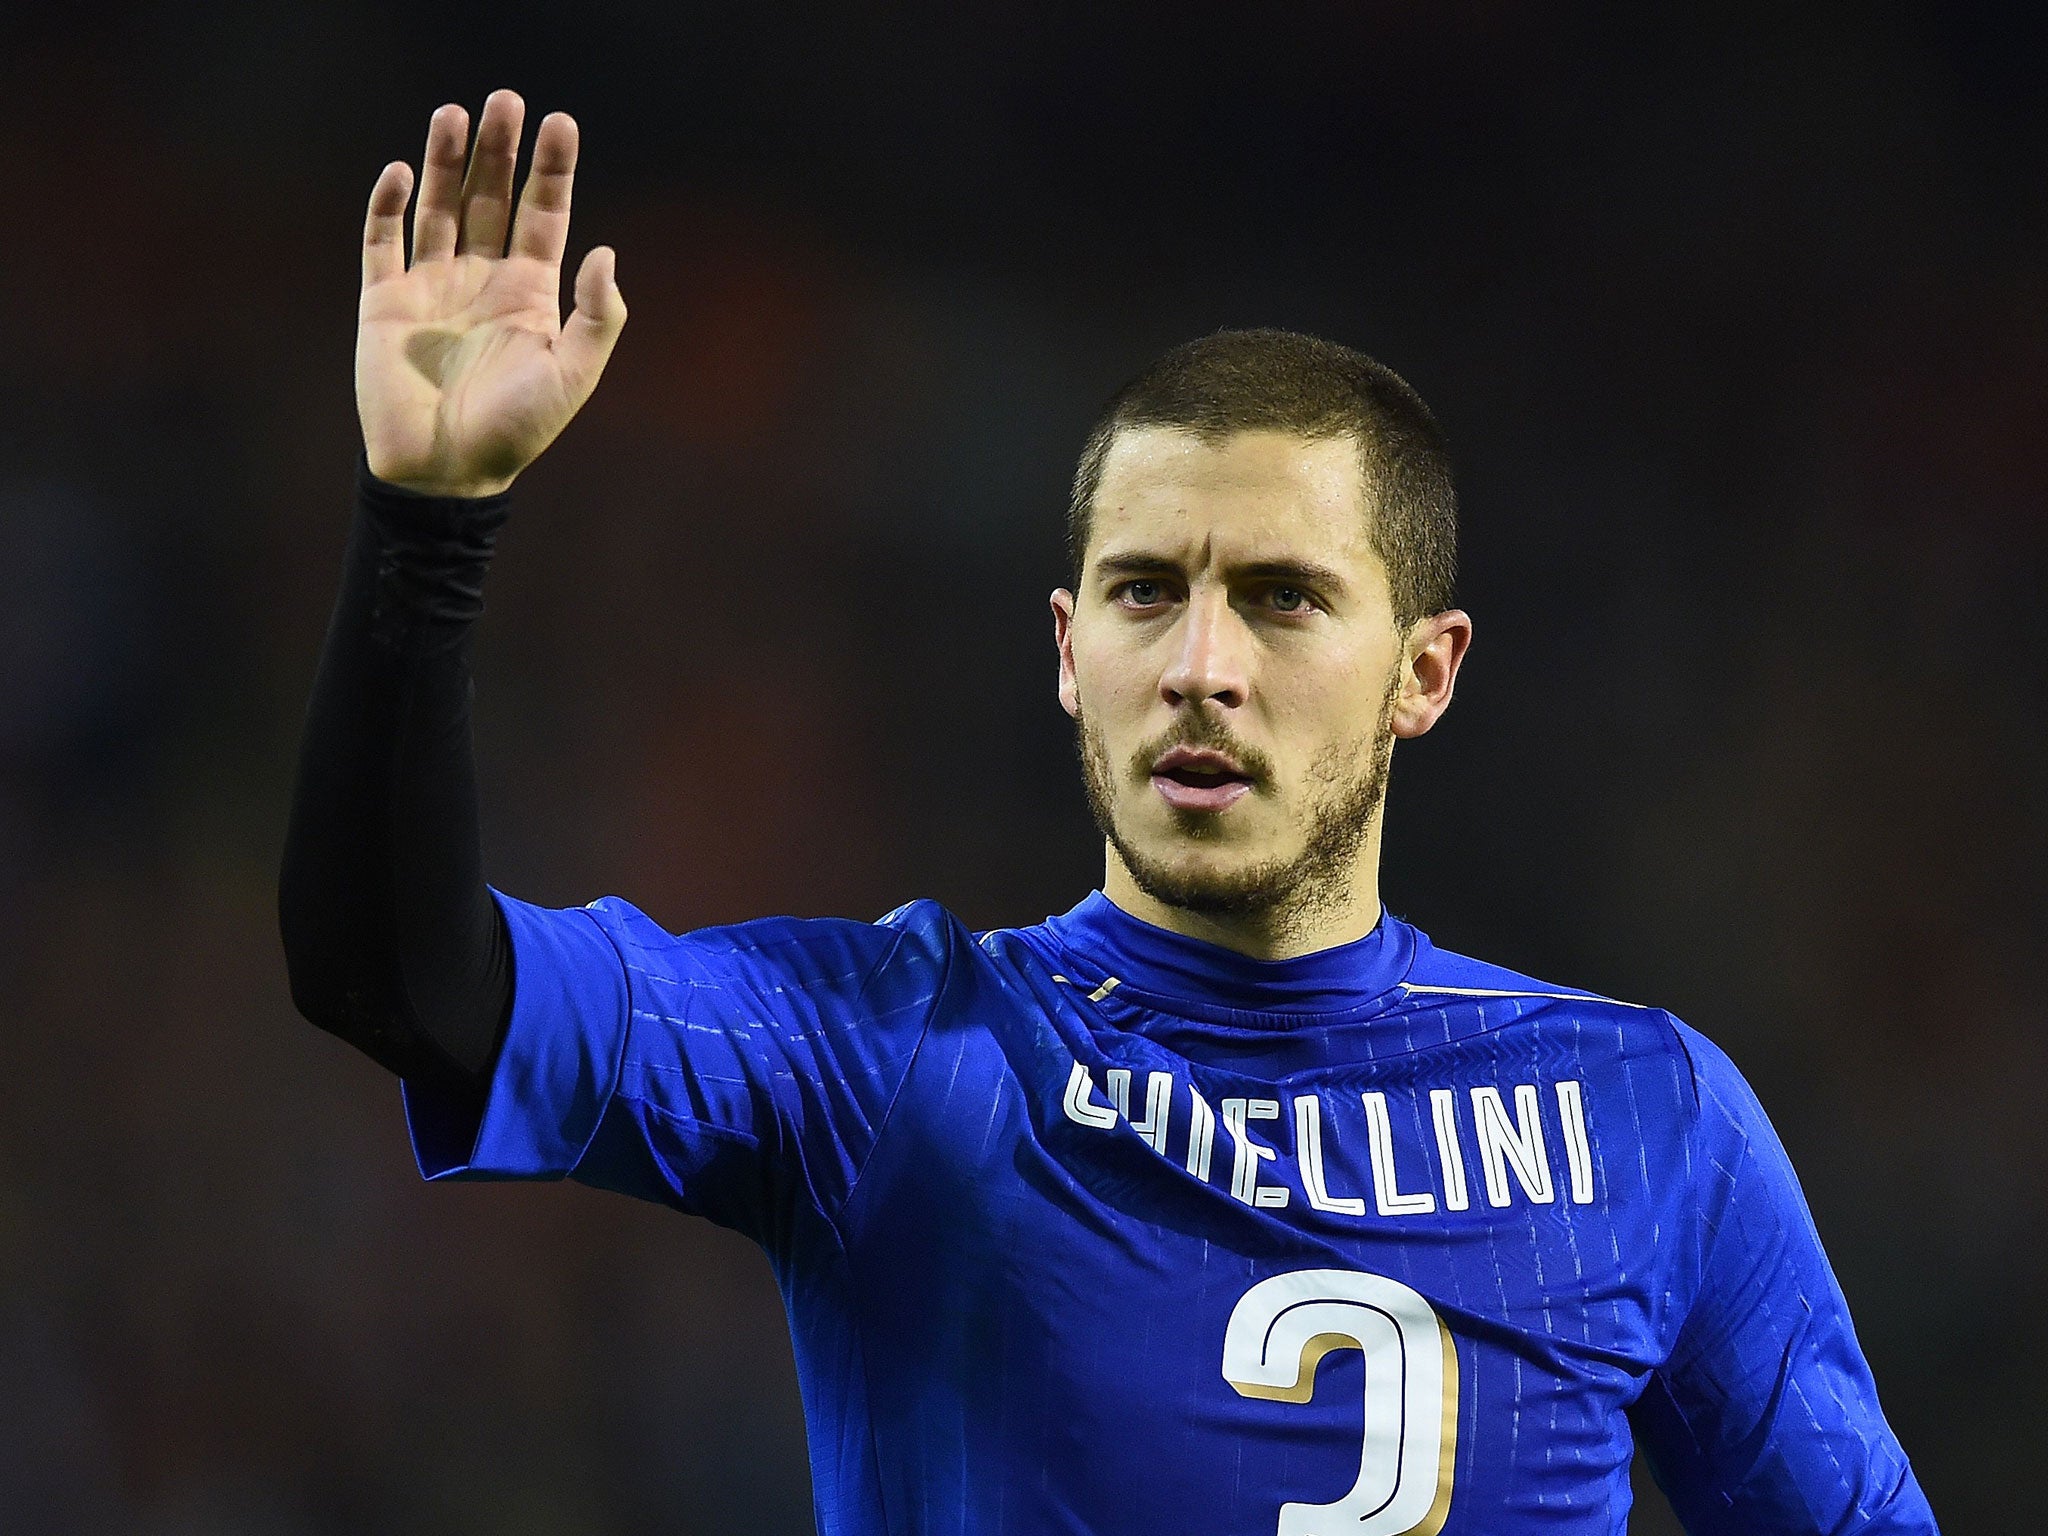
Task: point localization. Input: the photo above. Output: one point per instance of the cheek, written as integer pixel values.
(1111, 679)
(1329, 707)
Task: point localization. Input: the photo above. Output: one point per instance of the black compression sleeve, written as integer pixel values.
(391, 938)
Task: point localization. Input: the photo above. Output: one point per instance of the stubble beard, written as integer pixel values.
(1345, 787)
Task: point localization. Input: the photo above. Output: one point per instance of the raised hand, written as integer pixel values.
(465, 370)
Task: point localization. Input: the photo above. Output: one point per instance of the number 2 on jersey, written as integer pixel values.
(1283, 1326)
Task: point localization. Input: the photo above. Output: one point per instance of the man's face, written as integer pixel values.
(1235, 673)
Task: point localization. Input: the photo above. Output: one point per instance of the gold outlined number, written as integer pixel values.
(1283, 1326)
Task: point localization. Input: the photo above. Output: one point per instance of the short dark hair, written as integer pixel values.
(1237, 381)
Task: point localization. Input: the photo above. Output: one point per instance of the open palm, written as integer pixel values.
(465, 369)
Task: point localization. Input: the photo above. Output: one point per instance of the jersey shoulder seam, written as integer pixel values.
(909, 1066)
(1695, 1157)
(1435, 990)
(625, 1022)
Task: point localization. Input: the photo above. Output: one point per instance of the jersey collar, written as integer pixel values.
(1174, 968)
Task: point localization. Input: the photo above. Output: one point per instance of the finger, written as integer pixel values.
(593, 328)
(487, 190)
(438, 213)
(384, 225)
(541, 228)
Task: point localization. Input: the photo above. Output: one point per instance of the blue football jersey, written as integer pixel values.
(1092, 1228)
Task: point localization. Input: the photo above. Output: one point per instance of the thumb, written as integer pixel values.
(593, 328)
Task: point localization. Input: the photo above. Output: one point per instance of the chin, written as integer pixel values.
(1206, 881)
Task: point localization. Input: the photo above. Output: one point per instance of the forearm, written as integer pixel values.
(391, 937)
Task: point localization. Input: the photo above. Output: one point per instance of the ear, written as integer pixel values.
(1063, 637)
(1435, 650)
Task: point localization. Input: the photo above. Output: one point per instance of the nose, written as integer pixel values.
(1209, 656)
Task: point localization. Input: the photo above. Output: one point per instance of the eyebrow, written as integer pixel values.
(1308, 573)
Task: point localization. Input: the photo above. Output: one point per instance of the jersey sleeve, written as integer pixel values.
(1764, 1420)
(740, 1073)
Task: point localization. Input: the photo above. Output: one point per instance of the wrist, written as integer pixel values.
(428, 492)
(467, 490)
(431, 552)
(420, 504)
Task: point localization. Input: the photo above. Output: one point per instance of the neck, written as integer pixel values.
(1322, 916)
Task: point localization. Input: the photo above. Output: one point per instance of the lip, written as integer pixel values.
(1219, 796)
(1196, 757)
(1186, 797)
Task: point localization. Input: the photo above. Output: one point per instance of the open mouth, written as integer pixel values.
(1190, 781)
(1203, 778)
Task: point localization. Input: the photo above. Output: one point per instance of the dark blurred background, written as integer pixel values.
(1737, 322)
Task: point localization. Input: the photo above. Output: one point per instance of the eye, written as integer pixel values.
(1292, 600)
(1143, 593)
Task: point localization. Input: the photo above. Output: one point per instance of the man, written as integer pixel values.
(1222, 1202)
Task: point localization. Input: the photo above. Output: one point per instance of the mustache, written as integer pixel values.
(1203, 731)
